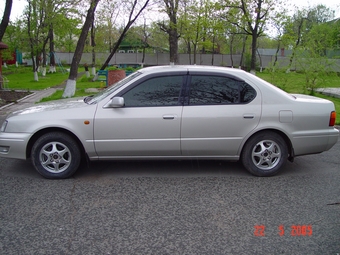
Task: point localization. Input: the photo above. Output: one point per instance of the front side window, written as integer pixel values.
(212, 90)
(157, 91)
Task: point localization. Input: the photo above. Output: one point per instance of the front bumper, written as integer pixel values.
(13, 145)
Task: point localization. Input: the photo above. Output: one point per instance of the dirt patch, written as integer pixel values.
(11, 96)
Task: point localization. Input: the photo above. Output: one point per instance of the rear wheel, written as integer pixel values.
(264, 154)
(56, 155)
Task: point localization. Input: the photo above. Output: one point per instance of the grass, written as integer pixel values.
(296, 82)
(22, 78)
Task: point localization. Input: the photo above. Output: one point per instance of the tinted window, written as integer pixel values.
(158, 91)
(208, 90)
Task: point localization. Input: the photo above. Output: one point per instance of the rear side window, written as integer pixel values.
(156, 91)
(212, 90)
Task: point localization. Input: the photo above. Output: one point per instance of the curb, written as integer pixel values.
(19, 100)
(332, 92)
(35, 93)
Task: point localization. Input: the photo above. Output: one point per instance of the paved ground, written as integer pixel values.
(172, 207)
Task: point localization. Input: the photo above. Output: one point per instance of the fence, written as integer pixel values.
(184, 59)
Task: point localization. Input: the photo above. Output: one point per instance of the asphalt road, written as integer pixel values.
(172, 207)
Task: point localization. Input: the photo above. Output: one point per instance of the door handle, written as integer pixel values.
(168, 117)
(248, 116)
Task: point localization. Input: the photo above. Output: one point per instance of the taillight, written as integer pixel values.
(332, 119)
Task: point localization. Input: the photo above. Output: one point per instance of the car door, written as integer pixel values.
(219, 113)
(147, 125)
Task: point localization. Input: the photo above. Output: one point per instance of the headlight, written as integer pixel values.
(4, 125)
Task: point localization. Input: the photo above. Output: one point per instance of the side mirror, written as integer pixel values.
(116, 102)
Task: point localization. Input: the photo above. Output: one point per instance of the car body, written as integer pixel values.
(173, 112)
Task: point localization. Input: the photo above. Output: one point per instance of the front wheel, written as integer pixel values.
(56, 155)
(264, 154)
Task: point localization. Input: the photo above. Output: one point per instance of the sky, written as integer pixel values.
(18, 6)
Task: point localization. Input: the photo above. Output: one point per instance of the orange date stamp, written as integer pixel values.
(294, 230)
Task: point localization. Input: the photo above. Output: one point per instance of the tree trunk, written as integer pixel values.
(243, 49)
(231, 51)
(213, 51)
(171, 7)
(93, 45)
(253, 52)
(173, 41)
(70, 88)
(43, 64)
(52, 55)
(5, 18)
(143, 56)
(260, 60)
(276, 53)
(189, 51)
(195, 53)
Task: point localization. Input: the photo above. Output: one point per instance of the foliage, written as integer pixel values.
(300, 31)
(251, 17)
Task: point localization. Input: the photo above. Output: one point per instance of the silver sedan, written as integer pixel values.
(173, 112)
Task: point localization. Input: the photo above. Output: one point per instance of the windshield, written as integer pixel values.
(104, 93)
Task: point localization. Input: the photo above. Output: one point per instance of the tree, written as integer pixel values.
(197, 27)
(301, 23)
(144, 36)
(135, 10)
(158, 39)
(171, 28)
(106, 22)
(312, 58)
(58, 18)
(137, 38)
(45, 21)
(251, 16)
(35, 17)
(70, 88)
(279, 23)
(5, 18)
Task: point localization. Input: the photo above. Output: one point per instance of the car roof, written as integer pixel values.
(191, 68)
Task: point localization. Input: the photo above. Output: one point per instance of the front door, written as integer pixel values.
(148, 124)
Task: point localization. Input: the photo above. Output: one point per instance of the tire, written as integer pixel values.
(264, 154)
(56, 155)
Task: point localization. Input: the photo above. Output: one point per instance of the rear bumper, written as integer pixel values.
(314, 142)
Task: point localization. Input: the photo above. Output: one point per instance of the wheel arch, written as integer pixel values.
(41, 132)
(282, 134)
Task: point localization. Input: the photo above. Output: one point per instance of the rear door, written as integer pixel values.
(220, 111)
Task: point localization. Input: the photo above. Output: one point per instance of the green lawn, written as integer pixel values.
(22, 78)
(296, 82)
